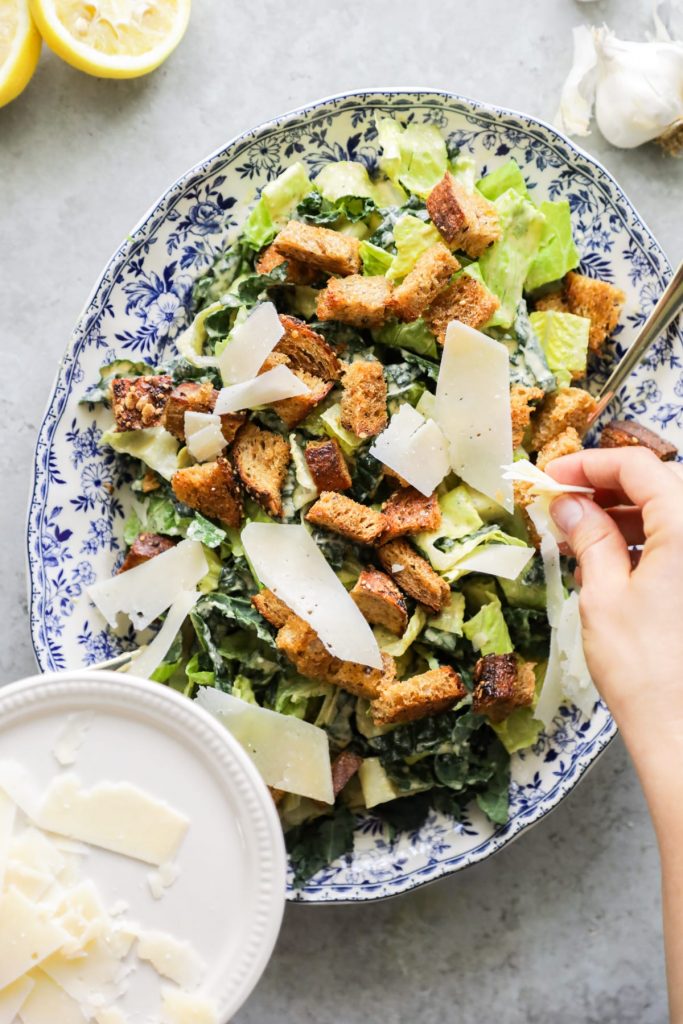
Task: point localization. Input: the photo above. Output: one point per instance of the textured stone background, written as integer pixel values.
(564, 926)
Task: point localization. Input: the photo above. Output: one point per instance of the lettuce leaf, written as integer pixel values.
(520, 729)
(277, 201)
(459, 518)
(343, 178)
(412, 237)
(315, 209)
(376, 261)
(528, 364)
(487, 630)
(508, 176)
(154, 446)
(557, 253)
(414, 336)
(414, 157)
(463, 169)
(506, 264)
(99, 392)
(331, 423)
(397, 646)
(564, 340)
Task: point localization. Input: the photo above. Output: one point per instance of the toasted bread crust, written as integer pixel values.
(297, 272)
(523, 401)
(347, 517)
(192, 397)
(465, 220)
(466, 300)
(293, 410)
(356, 300)
(364, 400)
(409, 511)
(414, 575)
(380, 601)
(212, 489)
(271, 608)
(566, 443)
(327, 465)
(319, 247)
(307, 350)
(599, 301)
(502, 684)
(261, 460)
(420, 287)
(406, 700)
(145, 547)
(139, 402)
(566, 407)
(630, 433)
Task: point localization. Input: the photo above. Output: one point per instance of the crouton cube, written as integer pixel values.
(555, 302)
(360, 301)
(627, 433)
(466, 300)
(599, 301)
(192, 397)
(566, 407)
(408, 511)
(501, 684)
(271, 608)
(293, 410)
(347, 517)
(144, 547)
(297, 272)
(261, 460)
(319, 247)
(307, 350)
(465, 220)
(419, 288)
(327, 465)
(212, 489)
(139, 402)
(405, 700)
(414, 575)
(344, 767)
(364, 400)
(523, 401)
(380, 601)
(565, 443)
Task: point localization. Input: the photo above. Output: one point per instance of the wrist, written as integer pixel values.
(655, 745)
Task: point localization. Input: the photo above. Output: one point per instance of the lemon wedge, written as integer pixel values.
(112, 38)
(19, 48)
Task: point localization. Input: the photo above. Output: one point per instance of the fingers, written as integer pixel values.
(630, 523)
(595, 540)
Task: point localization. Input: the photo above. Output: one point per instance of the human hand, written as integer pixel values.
(632, 618)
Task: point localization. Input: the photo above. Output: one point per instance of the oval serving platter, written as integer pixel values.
(141, 301)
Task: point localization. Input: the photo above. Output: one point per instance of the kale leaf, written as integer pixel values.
(317, 843)
(314, 209)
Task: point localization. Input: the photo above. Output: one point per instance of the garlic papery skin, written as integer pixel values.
(639, 92)
(578, 91)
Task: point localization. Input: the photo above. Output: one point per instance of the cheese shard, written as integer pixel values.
(551, 695)
(71, 737)
(34, 850)
(250, 344)
(473, 410)
(203, 435)
(172, 959)
(150, 657)
(268, 387)
(18, 785)
(577, 684)
(503, 560)
(146, 591)
(30, 883)
(290, 754)
(8, 813)
(79, 911)
(540, 482)
(288, 561)
(90, 979)
(115, 816)
(415, 448)
(110, 1015)
(182, 1008)
(47, 1003)
(12, 999)
(162, 879)
(27, 936)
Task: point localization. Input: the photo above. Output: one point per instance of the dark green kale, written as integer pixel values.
(314, 209)
(317, 843)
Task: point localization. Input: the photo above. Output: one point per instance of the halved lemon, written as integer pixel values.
(112, 38)
(20, 44)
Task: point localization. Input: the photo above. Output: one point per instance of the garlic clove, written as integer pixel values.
(578, 92)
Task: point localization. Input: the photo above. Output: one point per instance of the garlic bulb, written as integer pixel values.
(637, 89)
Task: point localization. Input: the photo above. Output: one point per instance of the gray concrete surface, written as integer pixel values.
(564, 926)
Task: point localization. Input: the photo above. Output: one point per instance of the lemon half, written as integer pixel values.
(112, 38)
(19, 48)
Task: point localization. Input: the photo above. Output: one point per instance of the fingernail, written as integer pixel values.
(567, 512)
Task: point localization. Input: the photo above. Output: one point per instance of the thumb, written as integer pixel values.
(595, 540)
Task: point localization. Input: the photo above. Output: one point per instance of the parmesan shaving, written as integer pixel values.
(47, 1003)
(268, 387)
(181, 1008)
(504, 560)
(13, 998)
(414, 448)
(175, 960)
(8, 812)
(204, 435)
(72, 737)
(149, 658)
(250, 344)
(27, 936)
(162, 879)
(540, 481)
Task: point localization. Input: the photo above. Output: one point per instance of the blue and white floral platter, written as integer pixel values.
(141, 301)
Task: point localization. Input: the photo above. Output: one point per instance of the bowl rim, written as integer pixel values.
(44, 435)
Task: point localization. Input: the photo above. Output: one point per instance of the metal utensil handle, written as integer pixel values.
(665, 312)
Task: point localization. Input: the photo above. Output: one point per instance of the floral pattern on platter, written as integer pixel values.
(141, 302)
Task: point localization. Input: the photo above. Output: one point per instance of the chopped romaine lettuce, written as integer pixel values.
(564, 340)
(412, 237)
(278, 199)
(342, 178)
(118, 368)
(506, 264)
(487, 630)
(458, 519)
(294, 692)
(332, 425)
(520, 729)
(507, 176)
(207, 533)
(376, 261)
(305, 490)
(414, 336)
(451, 619)
(154, 446)
(397, 646)
(190, 343)
(414, 157)
(463, 169)
(528, 364)
(557, 252)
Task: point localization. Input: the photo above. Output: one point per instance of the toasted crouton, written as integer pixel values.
(297, 272)
(212, 489)
(408, 511)
(192, 397)
(566, 407)
(364, 401)
(555, 302)
(139, 402)
(405, 700)
(302, 646)
(380, 601)
(356, 300)
(293, 410)
(501, 684)
(348, 517)
(344, 767)
(466, 300)
(319, 247)
(261, 460)
(414, 575)
(466, 220)
(599, 301)
(327, 465)
(565, 443)
(522, 403)
(271, 608)
(307, 350)
(144, 547)
(431, 273)
(628, 433)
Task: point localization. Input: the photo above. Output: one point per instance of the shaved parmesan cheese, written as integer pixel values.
(146, 591)
(71, 737)
(551, 694)
(175, 960)
(161, 880)
(180, 1008)
(110, 1015)
(8, 812)
(540, 481)
(30, 883)
(288, 561)
(47, 1003)
(18, 785)
(34, 850)
(289, 753)
(550, 553)
(12, 999)
(190, 343)
(79, 911)
(250, 344)
(114, 816)
(268, 387)
(376, 785)
(577, 683)
(204, 435)
(415, 448)
(473, 410)
(27, 936)
(152, 656)
(498, 560)
(90, 978)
